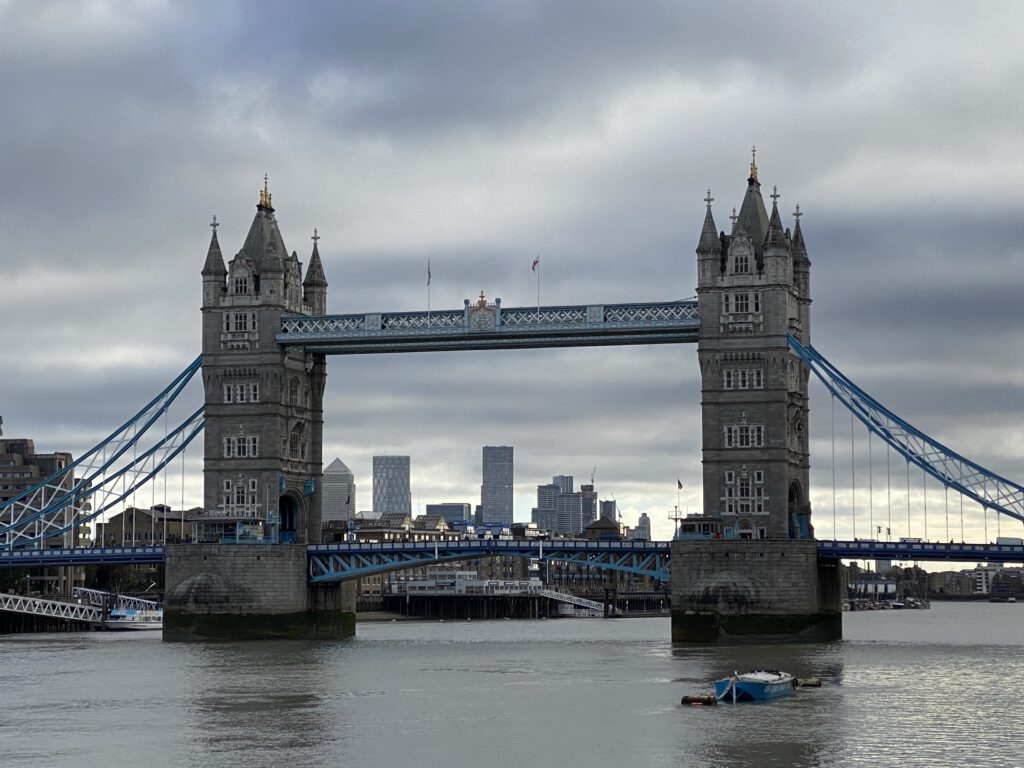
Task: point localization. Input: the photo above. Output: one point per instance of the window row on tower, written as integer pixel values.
(743, 436)
(241, 447)
(242, 392)
(743, 378)
(741, 302)
(239, 322)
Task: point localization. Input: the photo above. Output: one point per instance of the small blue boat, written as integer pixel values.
(758, 685)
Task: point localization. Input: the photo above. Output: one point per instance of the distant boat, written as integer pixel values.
(758, 685)
(121, 619)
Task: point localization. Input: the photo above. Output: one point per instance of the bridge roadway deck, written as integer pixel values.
(494, 327)
(625, 555)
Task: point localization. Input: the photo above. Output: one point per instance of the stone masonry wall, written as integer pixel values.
(236, 579)
(736, 577)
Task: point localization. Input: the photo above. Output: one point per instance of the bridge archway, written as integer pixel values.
(292, 515)
(796, 504)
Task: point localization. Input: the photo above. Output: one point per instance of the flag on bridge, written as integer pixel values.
(428, 271)
(679, 484)
(536, 263)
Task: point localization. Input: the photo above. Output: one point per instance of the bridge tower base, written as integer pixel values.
(754, 591)
(251, 592)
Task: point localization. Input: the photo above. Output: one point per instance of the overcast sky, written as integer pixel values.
(480, 135)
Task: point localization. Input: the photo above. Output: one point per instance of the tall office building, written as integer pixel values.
(391, 485)
(339, 499)
(589, 502)
(496, 490)
(545, 514)
(570, 514)
(564, 482)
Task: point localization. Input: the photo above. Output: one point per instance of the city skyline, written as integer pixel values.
(588, 145)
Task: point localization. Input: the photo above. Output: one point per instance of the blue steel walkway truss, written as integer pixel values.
(494, 327)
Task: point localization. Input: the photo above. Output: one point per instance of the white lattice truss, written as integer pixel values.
(342, 327)
(562, 597)
(948, 467)
(100, 599)
(36, 606)
(104, 476)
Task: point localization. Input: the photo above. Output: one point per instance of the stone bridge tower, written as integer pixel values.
(263, 402)
(758, 578)
(753, 290)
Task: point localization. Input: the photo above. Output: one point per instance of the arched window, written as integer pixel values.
(293, 391)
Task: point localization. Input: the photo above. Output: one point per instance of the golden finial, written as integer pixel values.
(481, 302)
(265, 196)
(753, 163)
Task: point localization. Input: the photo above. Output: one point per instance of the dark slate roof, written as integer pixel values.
(263, 235)
(709, 242)
(315, 277)
(214, 266)
(753, 218)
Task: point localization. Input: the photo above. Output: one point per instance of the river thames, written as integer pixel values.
(905, 688)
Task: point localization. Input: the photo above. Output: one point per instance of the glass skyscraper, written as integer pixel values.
(339, 499)
(496, 490)
(391, 485)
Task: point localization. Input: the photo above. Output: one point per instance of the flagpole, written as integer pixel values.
(538, 285)
(428, 293)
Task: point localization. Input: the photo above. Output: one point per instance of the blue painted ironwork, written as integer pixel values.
(922, 550)
(53, 557)
(340, 562)
(495, 327)
(57, 504)
(948, 467)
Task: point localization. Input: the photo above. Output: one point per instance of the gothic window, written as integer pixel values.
(239, 495)
(728, 379)
(240, 285)
(743, 378)
(229, 393)
(741, 262)
(741, 302)
(253, 493)
(293, 391)
(758, 378)
(241, 447)
(297, 443)
(226, 495)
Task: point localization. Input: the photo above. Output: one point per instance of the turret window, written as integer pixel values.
(238, 322)
(240, 285)
(741, 263)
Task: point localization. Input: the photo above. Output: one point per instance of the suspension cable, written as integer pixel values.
(853, 480)
(871, 491)
(835, 535)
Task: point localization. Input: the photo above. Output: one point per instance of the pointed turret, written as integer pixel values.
(315, 284)
(214, 273)
(799, 249)
(709, 241)
(214, 266)
(776, 235)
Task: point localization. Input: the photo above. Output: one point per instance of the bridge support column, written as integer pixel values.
(754, 591)
(251, 592)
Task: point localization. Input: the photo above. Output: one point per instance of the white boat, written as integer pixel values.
(122, 619)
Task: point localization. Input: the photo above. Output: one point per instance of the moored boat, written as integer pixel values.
(120, 619)
(757, 685)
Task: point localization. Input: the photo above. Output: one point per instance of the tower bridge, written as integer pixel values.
(266, 333)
